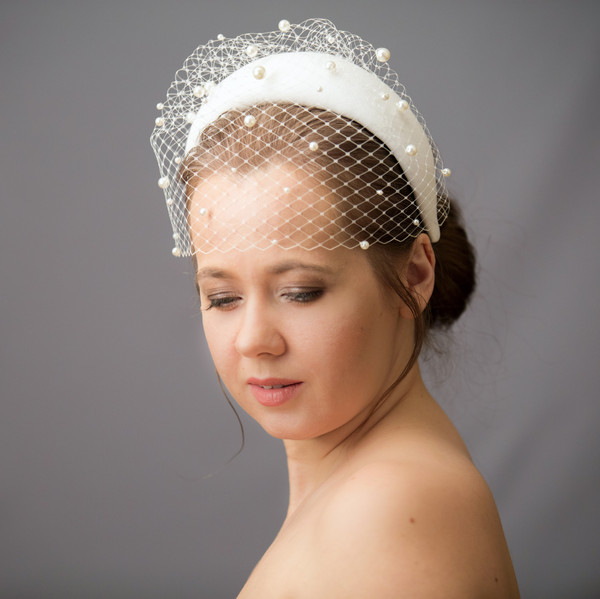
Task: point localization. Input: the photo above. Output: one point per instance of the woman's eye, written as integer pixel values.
(303, 296)
(222, 303)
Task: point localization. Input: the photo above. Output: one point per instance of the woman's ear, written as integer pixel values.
(419, 273)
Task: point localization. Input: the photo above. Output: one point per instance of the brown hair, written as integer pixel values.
(354, 165)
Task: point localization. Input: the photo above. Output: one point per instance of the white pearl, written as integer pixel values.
(331, 39)
(175, 236)
(416, 222)
(190, 116)
(203, 211)
(330, 65)
(233, 169)
(385, 96)
(446, 172)
(159, 122)
(258, 72)
(382, 54)
(364, 245)
(220, 37)
(402, 105)
(379, 192)
(176, 252)
(178, 160)
(251, 50)
(286, 190)
(160, 106)
(164, 182)
(249, 120)
(411, 149)
(313, 146)
(320, 88)
(170, 201)
(199, 91)
(284, 25)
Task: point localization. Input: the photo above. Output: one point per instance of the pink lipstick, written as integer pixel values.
(274, 392)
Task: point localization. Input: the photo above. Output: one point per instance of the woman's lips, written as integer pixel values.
(273, 392)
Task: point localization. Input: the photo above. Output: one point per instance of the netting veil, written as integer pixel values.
(300, 137)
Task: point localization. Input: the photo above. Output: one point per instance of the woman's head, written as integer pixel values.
(298, 199)
(303, 140)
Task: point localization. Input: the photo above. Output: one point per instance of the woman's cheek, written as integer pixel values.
(216, 339)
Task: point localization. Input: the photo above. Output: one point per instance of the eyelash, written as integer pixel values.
(303, 297)
(297, 297)
(222, 303)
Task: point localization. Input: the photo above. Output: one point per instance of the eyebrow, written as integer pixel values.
(277, 269)
(214, 273)
(288, 265)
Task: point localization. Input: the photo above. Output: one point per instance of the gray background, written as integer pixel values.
(111, 418)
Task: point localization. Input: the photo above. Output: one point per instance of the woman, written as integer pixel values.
(305, 185)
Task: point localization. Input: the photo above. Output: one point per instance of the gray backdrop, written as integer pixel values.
(111, 420)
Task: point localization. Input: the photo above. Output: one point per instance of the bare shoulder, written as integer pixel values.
(419, 528)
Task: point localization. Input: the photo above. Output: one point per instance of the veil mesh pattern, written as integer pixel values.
(346, 187)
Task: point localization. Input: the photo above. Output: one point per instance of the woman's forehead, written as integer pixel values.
(324, 264)
(278, 206)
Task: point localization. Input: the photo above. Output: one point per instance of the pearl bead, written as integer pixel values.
(446, 172)
(411, 149)
(364, 245)
(159, 122)
(190, 116)
(330, 65)
(233, 169)
(402, 105)
(320, 88)
(258, 72)
(251, 50)
(416, 222)
(175, 236)
(178, 160)
(379, 192)
(170, 201)
(313, 146)
(220, 37)
(286, 190)
(382, 54)
(199, 91)
(284, 25)
(330, 39)
(249, 120)
(385, 96)
(160, 106)
(203, 211)
(176, 252)
(164, 182)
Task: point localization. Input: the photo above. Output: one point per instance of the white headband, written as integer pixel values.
(336, 84)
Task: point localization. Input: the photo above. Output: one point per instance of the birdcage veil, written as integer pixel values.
(313, 119)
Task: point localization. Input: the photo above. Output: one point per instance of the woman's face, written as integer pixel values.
(306, 340)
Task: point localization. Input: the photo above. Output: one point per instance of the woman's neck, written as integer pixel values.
(312, 462)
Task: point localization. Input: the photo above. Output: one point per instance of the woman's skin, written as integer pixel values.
(384, 503)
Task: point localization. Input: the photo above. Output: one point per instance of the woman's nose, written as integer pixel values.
(259, 333)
